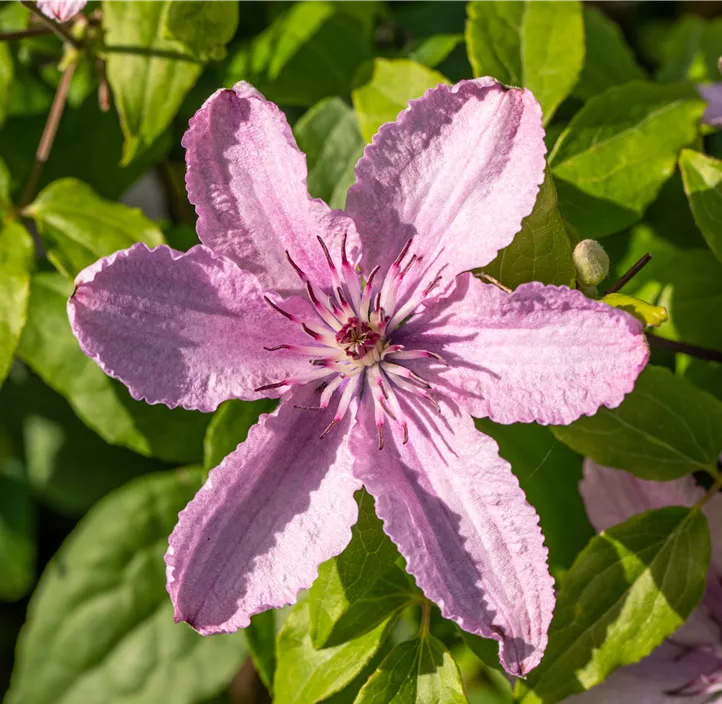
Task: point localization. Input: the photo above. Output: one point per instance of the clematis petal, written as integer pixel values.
(180, 329)
(460, 519)
(542, 353)
(274, 510)
(61, 10)
(611, 496)
(458, 170)
(247, 180)
(712, 93)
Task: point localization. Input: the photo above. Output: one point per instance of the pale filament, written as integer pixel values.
(352, 345)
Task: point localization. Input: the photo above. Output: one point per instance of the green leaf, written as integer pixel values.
(704, 375)
(17, 528)
(702, 176)
(97, 135)
(541, 251)
(68, 466)
(6, 78)
(618, 151)
(361, 587)
(633, 586)
(149, 75)
(103, 404)
(203, 27)
(78, 227)
(664, 429)
(5, 200)
(549, 473)
(387, 89)
(305, 675)
(609, 60)
(537, 45)
(691, 51)
(646, 312)
(431, 51)
(261, 641)
(419, 671)
(310, 52)
(229, 428)
(330, 137)
(693, 296)
(100, 624)
(17, 259)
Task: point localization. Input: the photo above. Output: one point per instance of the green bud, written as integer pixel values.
(592, 263)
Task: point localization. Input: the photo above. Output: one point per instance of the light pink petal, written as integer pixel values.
(458, 170)
(247, 180)
(458, 516)
(611, 496)
(542, 353)
(712, 93)
(181, 329)
(61, 10)
(274, 510)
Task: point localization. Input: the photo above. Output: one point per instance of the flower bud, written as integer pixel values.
(591, 262)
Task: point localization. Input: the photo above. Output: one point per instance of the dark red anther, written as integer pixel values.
(298, 269)
(400, 258)
(327, 253)
(432, 285)
(344, 259)
(271, 386)
(330, 427)
(380, 430)
(277, 347)
(276, 308)
(413, 259)
(310, 332)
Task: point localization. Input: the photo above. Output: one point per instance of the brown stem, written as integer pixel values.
(103, 87)
(692, 350)
(55, 27)
(23, 33)
(48, 137)
(633, 271)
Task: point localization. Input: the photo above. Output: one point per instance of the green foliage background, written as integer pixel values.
(91, 481)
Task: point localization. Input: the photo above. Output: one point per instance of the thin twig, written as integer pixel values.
(692, 350)
(493, 281)
(49, 132)
(103, 87)
(55, 27)
(631, 273)
(24, 33)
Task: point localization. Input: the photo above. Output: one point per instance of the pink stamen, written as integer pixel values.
(415, 354)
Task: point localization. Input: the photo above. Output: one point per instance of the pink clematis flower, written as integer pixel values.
(61, 10)
(380, 348)
(712, 94)
(686, 668)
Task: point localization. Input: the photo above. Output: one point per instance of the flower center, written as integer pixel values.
(357, 338)
(351, 331)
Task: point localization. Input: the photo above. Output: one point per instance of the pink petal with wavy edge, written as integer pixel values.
(61, 10)
(247, 180)
(274, 510)
(712, 93)
(458, 170)
(180, 329)
(543, 353)
(611, 496)
(460, 519)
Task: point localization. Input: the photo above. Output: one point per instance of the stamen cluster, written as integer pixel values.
(352, 347)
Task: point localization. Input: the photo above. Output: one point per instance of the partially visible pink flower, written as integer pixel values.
(380, 347)
(61, 10)
(712, 93)
(686, 668)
